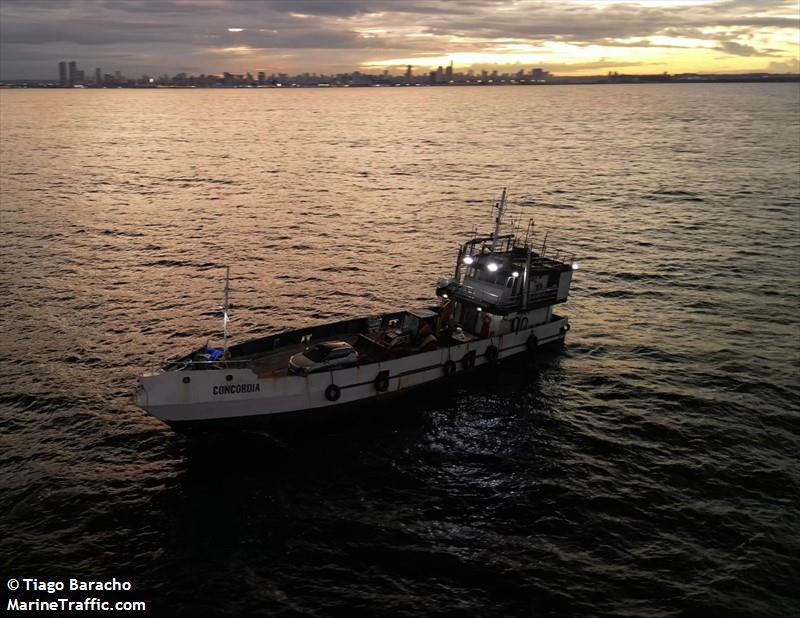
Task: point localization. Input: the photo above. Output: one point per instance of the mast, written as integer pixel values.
(526, 278)
(501, 207)
(225, 318)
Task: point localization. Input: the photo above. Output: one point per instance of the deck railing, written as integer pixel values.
(181, 364)
(502, 301)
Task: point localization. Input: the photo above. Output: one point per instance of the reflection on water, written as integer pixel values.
(643, 469)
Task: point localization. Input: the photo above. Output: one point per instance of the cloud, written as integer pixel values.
(739, 49)
(158, 36)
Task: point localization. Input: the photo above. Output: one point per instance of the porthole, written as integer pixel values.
(186, 379)
(229, 377)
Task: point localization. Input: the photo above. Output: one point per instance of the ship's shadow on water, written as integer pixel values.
(261, 509)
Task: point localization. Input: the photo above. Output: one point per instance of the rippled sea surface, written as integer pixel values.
(648, 468)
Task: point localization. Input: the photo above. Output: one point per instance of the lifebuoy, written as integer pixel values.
(333, 392)
(382, 381)
(468, 362)
(492, 354)
(532, 343)
(449, 368)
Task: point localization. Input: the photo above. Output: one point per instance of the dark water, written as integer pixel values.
(648, 469)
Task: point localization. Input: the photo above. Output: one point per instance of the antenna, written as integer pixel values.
(501, 207)
(513, 234)
(528, 231)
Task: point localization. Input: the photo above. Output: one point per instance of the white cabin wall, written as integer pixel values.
(536, 316)
(563, 284)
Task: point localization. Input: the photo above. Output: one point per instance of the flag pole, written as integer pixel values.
(225, 318)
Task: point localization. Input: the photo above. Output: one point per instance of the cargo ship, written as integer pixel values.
(498, 303)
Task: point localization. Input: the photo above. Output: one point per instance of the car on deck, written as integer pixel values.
(325, 356)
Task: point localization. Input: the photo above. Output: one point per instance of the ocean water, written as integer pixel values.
(648, 468)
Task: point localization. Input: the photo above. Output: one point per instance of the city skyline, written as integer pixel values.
(568, 37)
(71, 75)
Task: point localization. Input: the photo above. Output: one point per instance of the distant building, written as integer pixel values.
(62, 73)
(262, 77)
(98, 77)
(73, 73)
(539, 75)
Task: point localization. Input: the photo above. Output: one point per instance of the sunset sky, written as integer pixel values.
(567, 37)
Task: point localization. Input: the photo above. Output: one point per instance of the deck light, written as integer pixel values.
(444, 295)
(468, 260)
(575, 266)
(492, 267)
(480, 309)
(515, 274)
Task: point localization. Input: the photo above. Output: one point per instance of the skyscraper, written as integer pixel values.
(98, 77)
(73, 72)
(539, 75)
(62, 73)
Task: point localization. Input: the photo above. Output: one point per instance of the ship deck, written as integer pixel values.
(371, 337)
(276, 363)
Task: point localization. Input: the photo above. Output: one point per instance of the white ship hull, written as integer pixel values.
(184, 398)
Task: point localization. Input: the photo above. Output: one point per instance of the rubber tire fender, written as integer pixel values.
(532, 343)
(468, 362)
(333, 392)
(382, 381)
(492, 355)
(449, 368)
